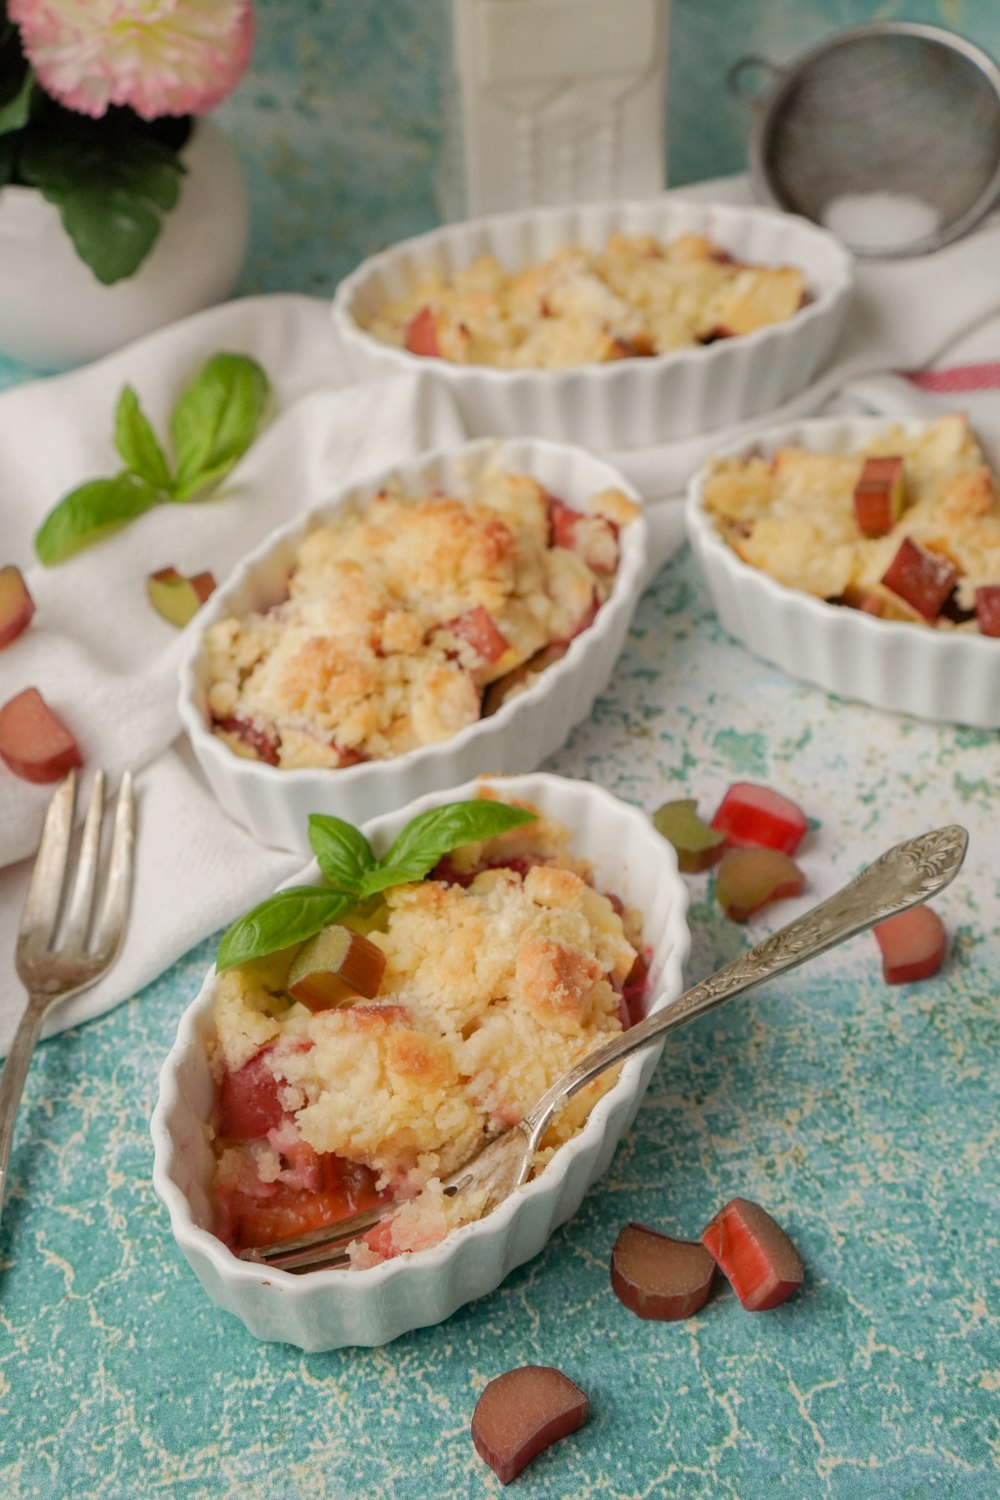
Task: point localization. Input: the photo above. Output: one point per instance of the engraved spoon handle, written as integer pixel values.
(902, 877)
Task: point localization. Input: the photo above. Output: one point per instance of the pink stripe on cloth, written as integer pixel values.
(959, 378)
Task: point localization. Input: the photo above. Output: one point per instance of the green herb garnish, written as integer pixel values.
(352, 873)
(212, 426)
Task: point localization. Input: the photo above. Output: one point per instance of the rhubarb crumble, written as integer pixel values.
(905, 528)
(501, 970)
(637, 296)
(408, 620)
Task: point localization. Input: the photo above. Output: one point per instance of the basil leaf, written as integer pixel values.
(110, 189)
(434, 833)
(136, 441)
(289, 917)
(91, 512)
(216, 420)
(342, 851)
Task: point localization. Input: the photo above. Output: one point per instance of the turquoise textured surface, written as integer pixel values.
(864, 1117)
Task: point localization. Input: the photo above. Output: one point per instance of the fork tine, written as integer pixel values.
(306, 1250)
(118, 896)
(78, 917)
(41, 909)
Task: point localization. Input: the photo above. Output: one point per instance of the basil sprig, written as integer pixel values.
(353, 874)
(212, 425)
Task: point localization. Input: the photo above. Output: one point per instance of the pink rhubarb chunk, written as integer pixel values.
(524, 1412)
(16, 605)
(754, 815)
(659, 1277)
(34, 743)
(913, 945)
(922, 579)
(755, 1254)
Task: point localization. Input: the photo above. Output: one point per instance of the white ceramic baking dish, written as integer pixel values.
(274, 804)
(628, 403)
(943, 675)
(329, 1309)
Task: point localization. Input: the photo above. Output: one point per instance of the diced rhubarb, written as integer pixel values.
(16, 604)
(177, 598)
(348, 1188)
(421, 334)
(478, 629)
(334, 967)
(257, 743)
(696, 845)
(754, 815)
(593, 536)
(248, 1105)
(913, 945)
(988, 609)
(923, 579)
(34, 742)
(522, 1413)
(748, 879)
(755, 1254)
(659, 1277)
(635, 990)
(879, 495)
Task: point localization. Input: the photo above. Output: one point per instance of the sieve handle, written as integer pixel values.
(740, 78)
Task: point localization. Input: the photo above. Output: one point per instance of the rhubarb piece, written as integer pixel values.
(34, 743)
(334, 967)
(760, 1261)
(248, 1103)
(659, 1277)
(751, 815)
(594, 537)
(923, 579)
(879, 496)
(177, 598)
(987, 609)
(421, 334)
(478, 629)
(522, 1413)
(16, 604)
(751, 878)
(913, 945)
(247, 739)
(696, 844)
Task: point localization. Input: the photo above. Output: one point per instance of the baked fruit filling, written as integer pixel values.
(411, 620)
(906, 528)
(495, 975)
(639, 296)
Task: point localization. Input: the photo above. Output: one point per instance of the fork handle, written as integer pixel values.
(15, 1070)
(902, 877)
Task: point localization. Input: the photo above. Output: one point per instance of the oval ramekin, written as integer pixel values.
(331, 1309)
(946, 676)
(274, 804)
(628, 403)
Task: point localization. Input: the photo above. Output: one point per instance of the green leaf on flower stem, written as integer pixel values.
(216, 420)
(286, 918)
(136, 441)
(110, 188)
(15, 107)
(91, 512)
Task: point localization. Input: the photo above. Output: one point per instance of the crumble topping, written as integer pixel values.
(405, 622)
(638, 296)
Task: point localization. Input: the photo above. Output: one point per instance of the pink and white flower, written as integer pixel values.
(162, 57)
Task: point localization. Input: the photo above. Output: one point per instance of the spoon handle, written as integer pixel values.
(903, 876)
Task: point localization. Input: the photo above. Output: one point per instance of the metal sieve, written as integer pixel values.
(888, 134)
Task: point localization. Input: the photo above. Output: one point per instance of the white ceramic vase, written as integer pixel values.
(53, 310)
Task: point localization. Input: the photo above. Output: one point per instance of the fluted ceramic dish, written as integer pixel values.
(332, 1308)
(949, 676)
(627, 403)
(274, 804)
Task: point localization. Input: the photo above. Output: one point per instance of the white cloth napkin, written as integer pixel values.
(107, 662)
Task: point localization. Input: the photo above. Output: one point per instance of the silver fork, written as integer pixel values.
(904, 876)
(52, 971)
